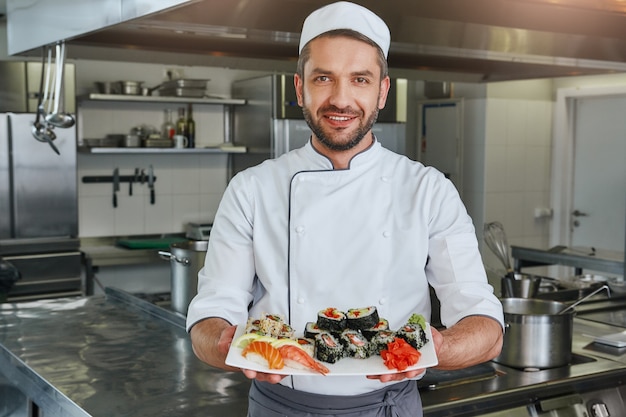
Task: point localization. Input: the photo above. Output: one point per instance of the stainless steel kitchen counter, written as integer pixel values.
(98, 356)
(103, 251)
(117, 355)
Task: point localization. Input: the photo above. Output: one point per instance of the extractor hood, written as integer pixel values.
(490, 40)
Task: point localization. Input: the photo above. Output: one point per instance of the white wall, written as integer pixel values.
(507, 155)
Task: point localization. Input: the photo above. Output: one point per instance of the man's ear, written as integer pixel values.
(385, 84)
(298, 84)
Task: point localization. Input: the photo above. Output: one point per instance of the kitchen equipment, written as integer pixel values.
(571, 307)
(58, 117)
(617, 285)
(147, 91)
(132, 141)
(583, 281)
(271, 123)
(536, 335)
(186, 260)
(161, 243)
(186, 83)
(131, 88)
(495, 238)
(107, 87)
(116, 185)
(39, 206)
(151, 184)
(183, 88)
(180, 141)
(516, 285)
(198, 231)
(182, 92)
(157, 143)
(40, 130)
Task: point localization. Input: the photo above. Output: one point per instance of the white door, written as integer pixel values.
(598, 217)
(440, 138)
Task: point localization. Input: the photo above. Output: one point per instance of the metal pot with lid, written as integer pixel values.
(186, 260)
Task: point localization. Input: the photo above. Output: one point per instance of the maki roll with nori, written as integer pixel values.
(331, 319)
(311, 330)
(308, 345)
(327, 348)
(380, 340)
(382, 324)
(362, 318)
(355, 344)
(413, 334)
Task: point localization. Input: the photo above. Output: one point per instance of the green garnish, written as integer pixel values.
(418, 319)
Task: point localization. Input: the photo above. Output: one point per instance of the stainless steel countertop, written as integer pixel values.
(115, 355)
(96, 356)
(103, 251)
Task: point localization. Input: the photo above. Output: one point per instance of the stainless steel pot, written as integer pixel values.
(132, 88)
(536, 335)
(186, 259)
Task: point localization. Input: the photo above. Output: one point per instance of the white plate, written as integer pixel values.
(373, 365)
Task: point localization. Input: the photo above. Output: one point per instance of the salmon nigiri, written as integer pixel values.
(264, 353)
(296, 357)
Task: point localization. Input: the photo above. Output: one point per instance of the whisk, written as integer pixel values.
(495, 238)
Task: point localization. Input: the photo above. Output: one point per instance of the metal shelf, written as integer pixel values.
(161, 99)
(225, 149)
(602, 260)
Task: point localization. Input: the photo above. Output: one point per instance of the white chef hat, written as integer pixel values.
(346, 15)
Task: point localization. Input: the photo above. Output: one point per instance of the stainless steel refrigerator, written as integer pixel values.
(271, 123)
(39, 209)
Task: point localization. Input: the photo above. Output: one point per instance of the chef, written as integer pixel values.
(343, 222)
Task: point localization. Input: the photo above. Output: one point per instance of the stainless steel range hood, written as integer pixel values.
(490, 40)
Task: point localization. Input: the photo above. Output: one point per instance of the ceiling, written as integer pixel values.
(493, 40)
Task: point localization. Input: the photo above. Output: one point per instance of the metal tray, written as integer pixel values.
(182, 83)
(182, 92)
(158, 143)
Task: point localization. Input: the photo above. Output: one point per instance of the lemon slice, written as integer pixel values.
(243, 340)
(282, 342)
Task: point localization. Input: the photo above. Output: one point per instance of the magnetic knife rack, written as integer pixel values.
(91, 179)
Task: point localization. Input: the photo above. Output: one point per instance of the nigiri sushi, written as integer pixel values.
(263, 353)
(296, 357)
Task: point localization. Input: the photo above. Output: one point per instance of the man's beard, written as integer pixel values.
(328, 141)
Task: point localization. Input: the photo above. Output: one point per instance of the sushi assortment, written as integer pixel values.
(360, 333)
(356, 333)
(270, 341)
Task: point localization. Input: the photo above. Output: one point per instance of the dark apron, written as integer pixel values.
(276, 400)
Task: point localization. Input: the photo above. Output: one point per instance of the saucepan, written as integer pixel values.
(186, 260)
(517, 285)
(538, 332)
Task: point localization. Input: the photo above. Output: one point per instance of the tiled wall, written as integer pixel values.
(517, 171)
(188, 188)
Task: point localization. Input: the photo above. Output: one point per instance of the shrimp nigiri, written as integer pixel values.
(296, 357)
(263, 353)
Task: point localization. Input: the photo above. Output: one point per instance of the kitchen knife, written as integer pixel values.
(130, 185)
(116, 185)
(151, 184)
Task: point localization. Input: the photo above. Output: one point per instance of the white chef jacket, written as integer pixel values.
(294, 236)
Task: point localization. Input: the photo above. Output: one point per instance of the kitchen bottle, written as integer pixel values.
(181, 123)
(168, 130)
(191, 128)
